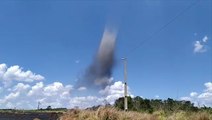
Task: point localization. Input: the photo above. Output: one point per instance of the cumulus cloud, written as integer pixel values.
(82, 88)
(205, 39)
(108, 95)
(203, 98)
(15, 96)
(85, 101)
(114, 91)
(57, 94)
(208, 87)
(193, 94)
(21, 87)
(16, 73)
(28, 89)
(200, 46)
(26, 96)
(52, 94)
(186, 99)
(36, 89)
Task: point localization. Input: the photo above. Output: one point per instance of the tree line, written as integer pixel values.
(151, 105)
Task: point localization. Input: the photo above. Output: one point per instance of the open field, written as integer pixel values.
(138, 109)
(111, 113)
(101, 113)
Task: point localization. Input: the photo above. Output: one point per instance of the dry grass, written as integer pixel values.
(190, 116)
(106, 113)
(110, 113)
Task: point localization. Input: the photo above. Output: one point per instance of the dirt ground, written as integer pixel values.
(29, 116)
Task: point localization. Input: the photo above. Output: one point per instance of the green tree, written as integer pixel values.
(119, 103)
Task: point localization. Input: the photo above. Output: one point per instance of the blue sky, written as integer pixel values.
(58, 40)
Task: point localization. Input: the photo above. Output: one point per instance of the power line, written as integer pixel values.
(162, 28)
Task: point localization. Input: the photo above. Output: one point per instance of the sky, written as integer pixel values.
(47, 45)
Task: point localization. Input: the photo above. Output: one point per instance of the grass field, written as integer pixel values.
(111, 113)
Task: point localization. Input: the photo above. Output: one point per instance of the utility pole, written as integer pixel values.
(125, 84)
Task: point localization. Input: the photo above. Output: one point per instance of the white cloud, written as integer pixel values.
(36, 89)
(84, 102)
(53, 89)
(53, 94)
(21, 87)
(205, 39)
(27, 90)
(157, 96)
(208, 86)
(114, 92)
(193, 94)
(3, 69)
(200, 46)
(12, 96)
(204, 98)
(16, 73)
(116, 88)
(82, 88)
(108, 95)
(26, 96)
(15, 95)
(186, 98)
